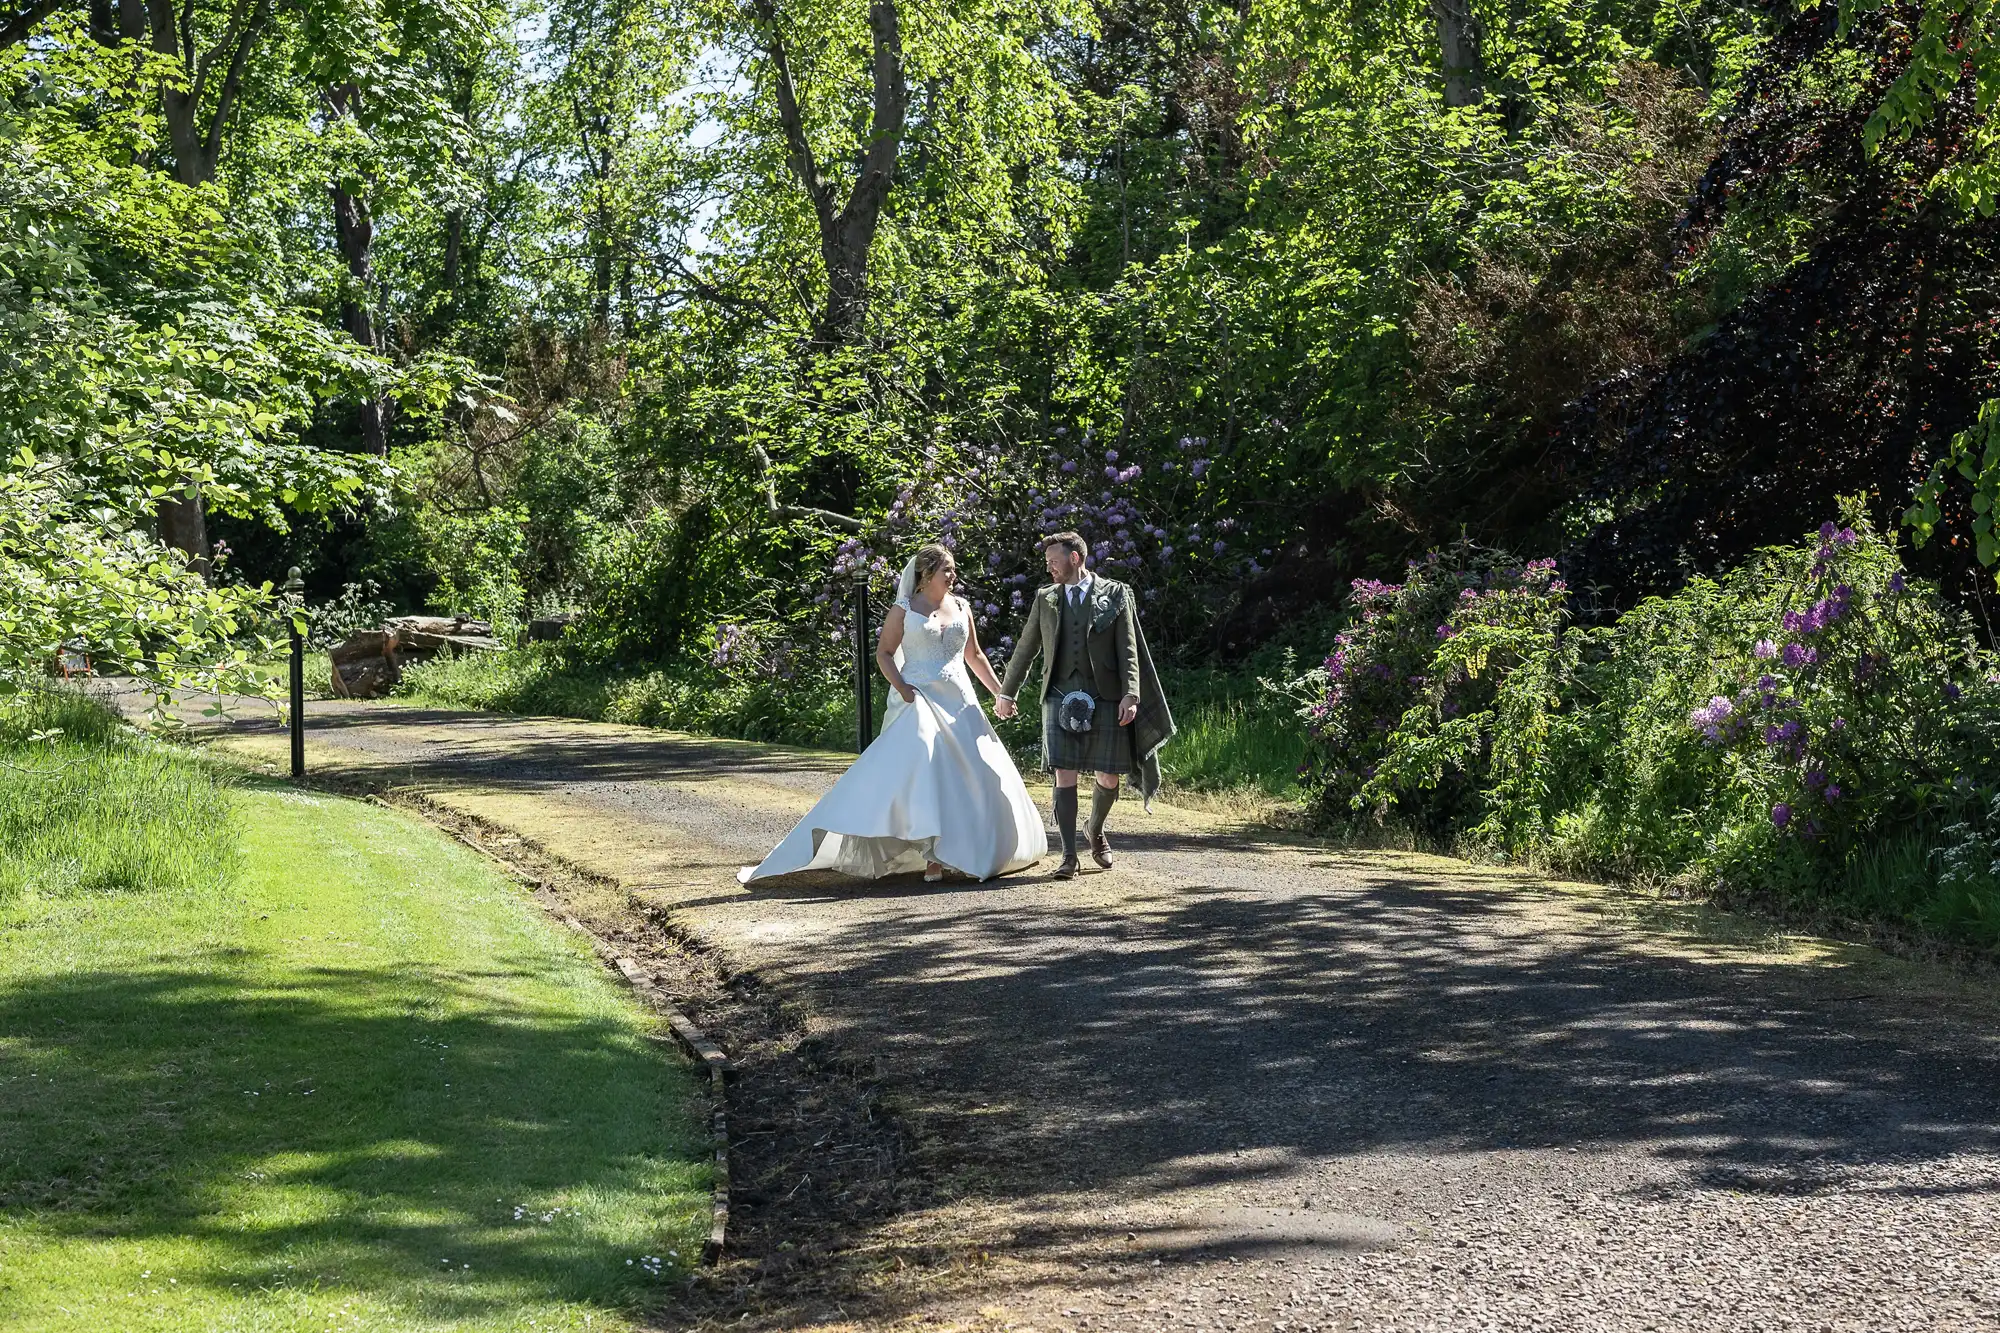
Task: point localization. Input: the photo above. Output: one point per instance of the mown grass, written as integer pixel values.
(354, 1081)
(1231, 738)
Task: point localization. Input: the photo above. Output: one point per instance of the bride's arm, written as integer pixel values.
(975, 657)
(886, 644)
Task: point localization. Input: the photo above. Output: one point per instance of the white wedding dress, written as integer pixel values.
(937, 784)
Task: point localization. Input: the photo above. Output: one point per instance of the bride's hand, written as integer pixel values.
(909, 692)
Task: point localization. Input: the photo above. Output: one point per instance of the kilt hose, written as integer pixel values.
(1105, 748)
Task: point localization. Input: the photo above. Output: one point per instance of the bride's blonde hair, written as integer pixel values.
(931, 557)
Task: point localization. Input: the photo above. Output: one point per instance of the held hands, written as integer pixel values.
(1004, 708)
(1128, 708)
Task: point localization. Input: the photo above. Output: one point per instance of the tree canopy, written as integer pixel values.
(679, 313)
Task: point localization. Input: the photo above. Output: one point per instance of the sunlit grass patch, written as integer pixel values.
(88, 806)
(1232, 737)
(364, 1084)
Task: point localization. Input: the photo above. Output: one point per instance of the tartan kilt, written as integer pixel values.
(1105, 748)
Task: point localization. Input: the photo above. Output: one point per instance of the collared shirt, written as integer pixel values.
(1080, 590)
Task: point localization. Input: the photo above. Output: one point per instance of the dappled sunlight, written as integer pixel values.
(1182, 1025)
(340, 1135)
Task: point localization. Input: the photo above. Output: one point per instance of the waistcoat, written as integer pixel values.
(1072, 655)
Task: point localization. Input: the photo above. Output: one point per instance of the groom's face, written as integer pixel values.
(1063, 563)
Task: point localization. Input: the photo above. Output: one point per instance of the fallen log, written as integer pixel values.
(369, 663)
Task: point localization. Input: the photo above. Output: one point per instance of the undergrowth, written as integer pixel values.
(1813, 731)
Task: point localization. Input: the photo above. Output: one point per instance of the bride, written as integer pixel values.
(937, 789)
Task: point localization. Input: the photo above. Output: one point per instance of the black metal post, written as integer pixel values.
(864, 670)
(294, 587)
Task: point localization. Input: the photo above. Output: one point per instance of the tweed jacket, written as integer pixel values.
(1112, 647)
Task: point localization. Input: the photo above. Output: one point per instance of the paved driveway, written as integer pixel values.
(1250, 1082)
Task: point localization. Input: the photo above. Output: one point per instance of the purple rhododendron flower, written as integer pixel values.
(1199, 466)
(1846, 537)
(1798, 655)
(1069, 465)
(1718, 710)
(1764, 649)
(1711, 719)
(1110, 455)
(1220, 547)
(1781, 814)
(1897, 583)
(1951, 692)
(1832, 794)
(1783, 733)
(1826, 531)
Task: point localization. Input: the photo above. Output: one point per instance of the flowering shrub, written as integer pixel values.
(1153, 513)
(1419, 657)
(1774, 730)
(744, 649)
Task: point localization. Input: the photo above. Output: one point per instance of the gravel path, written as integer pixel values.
(1248, 1082)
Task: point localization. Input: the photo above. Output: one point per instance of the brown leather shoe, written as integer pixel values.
(1100, 851)
(1068, 869)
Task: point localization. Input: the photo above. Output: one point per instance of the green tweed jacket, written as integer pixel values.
(1112, 647)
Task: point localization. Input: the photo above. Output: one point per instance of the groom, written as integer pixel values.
(1102, 710)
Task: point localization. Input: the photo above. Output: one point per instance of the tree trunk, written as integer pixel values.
(846, 235)
(354, 234)
(454, 246)
(196, 143)
(184, 526)
(1458, 42)
(600, 282)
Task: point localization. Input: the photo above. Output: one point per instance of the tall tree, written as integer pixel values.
(1458, 47)
(846, 227)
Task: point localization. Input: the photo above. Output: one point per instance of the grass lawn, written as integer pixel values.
(363, 1085)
